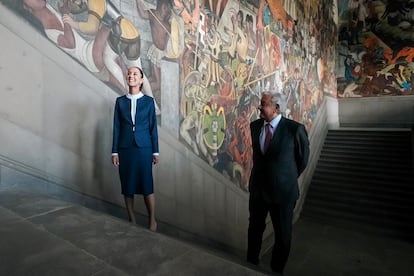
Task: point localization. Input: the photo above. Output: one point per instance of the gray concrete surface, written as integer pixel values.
(44, 235)
(41, 235)
(325, 250)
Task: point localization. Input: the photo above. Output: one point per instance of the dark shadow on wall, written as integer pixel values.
(102, 155)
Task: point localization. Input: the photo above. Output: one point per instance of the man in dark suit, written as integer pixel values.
(280, 154)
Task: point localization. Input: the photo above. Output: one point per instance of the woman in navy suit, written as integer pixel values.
(135, 145)
(280, 154)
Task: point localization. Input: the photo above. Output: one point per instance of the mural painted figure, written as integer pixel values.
(160, 31)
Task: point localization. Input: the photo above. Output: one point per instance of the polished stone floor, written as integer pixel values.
(45, 235)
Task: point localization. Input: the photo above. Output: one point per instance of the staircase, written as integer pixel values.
(364, 180)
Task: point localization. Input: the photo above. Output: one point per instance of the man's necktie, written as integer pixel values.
(268, 137)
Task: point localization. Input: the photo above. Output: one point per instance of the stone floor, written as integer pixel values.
(41, 235)
(324, 250)
(44, 235)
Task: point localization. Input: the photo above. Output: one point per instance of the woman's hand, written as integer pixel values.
(155, 159)
(115, 160)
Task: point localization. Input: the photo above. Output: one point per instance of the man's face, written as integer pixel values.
(268, 109)
(134, 77)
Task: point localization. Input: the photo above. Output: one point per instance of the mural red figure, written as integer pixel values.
(239, 149)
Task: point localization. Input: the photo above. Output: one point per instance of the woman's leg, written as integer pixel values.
(150, 204)
(129, 203)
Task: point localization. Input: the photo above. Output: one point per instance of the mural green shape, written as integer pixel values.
(214, 124)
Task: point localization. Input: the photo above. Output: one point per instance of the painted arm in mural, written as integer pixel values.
(171, 29)
(96, 11)
(66, 40)
(142, 11)
(159, 22)
(190, 13)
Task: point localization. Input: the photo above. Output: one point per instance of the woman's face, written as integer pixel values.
(134, 77)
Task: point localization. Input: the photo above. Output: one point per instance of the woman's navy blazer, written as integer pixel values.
(143, 133)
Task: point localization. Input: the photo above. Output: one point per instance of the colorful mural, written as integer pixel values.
(235, 52)
(376, 51)
(229, 52)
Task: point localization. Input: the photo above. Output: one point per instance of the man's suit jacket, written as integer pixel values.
(274, 174)
(144, 133)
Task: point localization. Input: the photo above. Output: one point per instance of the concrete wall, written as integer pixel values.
(377, 112)
(56, 133)
(317, 136)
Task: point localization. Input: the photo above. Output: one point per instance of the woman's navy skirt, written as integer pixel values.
(135, 171)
